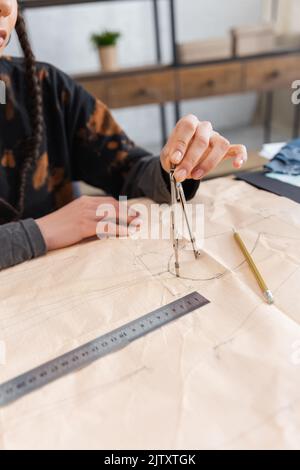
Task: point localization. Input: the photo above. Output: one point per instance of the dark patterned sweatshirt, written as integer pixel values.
(81, 142)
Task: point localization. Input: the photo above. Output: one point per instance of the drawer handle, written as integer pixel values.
(274, 74)
(211, 83)
(143, 93)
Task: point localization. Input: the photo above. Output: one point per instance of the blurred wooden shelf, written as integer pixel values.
(159, 84)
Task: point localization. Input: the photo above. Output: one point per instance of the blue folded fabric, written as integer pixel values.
(287, 161)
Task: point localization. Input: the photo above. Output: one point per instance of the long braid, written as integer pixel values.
(33, 142)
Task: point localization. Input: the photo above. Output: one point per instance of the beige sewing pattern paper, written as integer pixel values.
(226, 376)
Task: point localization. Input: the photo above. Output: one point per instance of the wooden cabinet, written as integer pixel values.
(162, 84)
(133, 87)
(141, 89)
(269, 74)
(209, 80)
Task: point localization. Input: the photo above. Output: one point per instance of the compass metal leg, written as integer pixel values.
(178, 197)
(184, 206)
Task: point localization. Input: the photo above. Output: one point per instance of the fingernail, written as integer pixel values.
(240, 162)
(136, 222)
(133, 212)
(180, 175)
(177, 157)
(198, 174)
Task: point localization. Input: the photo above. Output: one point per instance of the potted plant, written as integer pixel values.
(106, 43)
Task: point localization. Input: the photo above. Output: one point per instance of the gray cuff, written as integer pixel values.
(35, 237)
(19, 242)
(161, 186)
(146, 180)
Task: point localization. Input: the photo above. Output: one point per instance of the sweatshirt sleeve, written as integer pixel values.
(19, 242)
(103, 156)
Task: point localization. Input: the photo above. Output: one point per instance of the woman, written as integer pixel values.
(52, 133)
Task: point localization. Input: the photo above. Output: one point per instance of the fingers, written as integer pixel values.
(217, 152)
(107, 228)
(196, 150)
(115, 211)
(106, 217)
(107, 207)
(111, 230)
(179, 141)
(239, 155)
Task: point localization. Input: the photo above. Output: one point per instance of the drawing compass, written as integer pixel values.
(178, 198)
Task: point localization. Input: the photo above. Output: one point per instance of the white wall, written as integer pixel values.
(288, 16)
(288, 22)
(60, 35)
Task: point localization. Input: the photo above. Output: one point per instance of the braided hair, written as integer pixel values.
(33, 142)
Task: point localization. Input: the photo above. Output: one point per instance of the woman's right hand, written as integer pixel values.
(79, 220)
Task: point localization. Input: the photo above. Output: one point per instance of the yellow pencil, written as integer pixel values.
(265, 290)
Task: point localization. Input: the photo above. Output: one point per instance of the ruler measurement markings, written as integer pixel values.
(98, 348)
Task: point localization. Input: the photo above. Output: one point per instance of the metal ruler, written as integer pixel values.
(100, 347)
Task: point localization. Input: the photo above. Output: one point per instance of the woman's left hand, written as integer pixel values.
(196, 149)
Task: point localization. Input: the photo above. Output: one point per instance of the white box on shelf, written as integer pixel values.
(204, 50)
(251, 40)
